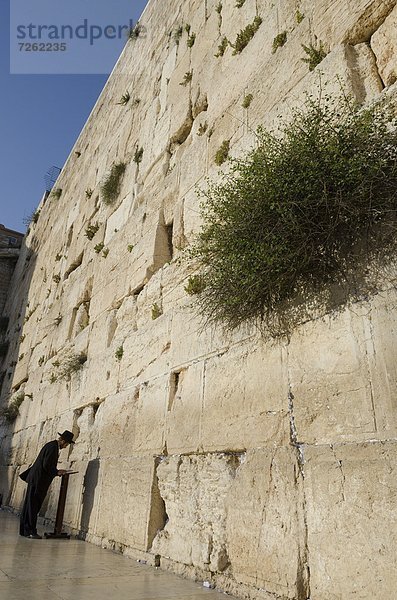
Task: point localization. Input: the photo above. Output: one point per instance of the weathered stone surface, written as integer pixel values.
(384, 46)
(194, 489)
(248, 407)
(265, 524)
(263, 466)
(352, 547)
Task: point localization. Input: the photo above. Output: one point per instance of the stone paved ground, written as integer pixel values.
(75, 570)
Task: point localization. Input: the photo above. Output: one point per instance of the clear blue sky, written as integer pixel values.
(40, 118)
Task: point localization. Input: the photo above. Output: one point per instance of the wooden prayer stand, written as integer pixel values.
(58, 533)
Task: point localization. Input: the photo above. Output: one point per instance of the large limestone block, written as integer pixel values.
(173, 282)
(384, 46)
(285, 69)
(142, 361)
(117, 287)
(7, 480)
(349, 70)
(29, 410)
(225, 130)
(185, 409)
(21, 449)
(194, 489)
(76, 290)
(245, 407)
(125, 317)
(100, 379)
(168, 68)
(192, 220)
(86, 429)
(5, 445)
(193, 12)
(48, 509)
(149, 301)
(21, 371)
(332, 395)
(118, 219)
(352, 520)
(354, 22)
(151, 151)
(265, 524)
(150, 417)
(193, 162)
(116, 423)
(365, 81)
(380, 325)
(18, 489)
(179, 99)
(103, 331)
(55, 399)
(124, 506)
(83, 499)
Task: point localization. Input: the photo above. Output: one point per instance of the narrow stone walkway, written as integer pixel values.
(75, 570)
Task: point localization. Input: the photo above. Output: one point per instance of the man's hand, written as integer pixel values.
(61, 472)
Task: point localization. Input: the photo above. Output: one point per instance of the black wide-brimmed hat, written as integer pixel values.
(67, 436)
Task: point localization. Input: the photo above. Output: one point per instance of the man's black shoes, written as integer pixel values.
(34, 536)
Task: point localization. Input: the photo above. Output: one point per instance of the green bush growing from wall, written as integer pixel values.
(111, 186)
(303, 210)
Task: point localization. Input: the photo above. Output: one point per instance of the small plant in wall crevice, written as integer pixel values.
(72, 363)
(138, 155)
(156, 311)
(190, 40)
(195, 285)
(91, 230)
(247, 101)
(56, 193)
(202, 128)
(119, 353)
(125, 98)
(222, 47)
(135, 32)
(32, 218)
(279, 41)
(177, 34)
(315, 55)
(99, 247)
(187, 78)
(245, 35)
(222, 153)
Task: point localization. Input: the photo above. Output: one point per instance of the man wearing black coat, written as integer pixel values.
(38, 478)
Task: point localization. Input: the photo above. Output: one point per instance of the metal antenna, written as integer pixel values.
(50, 177)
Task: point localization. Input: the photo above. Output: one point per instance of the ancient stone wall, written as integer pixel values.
(268, 469)
(7, 264)
(10, 242)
